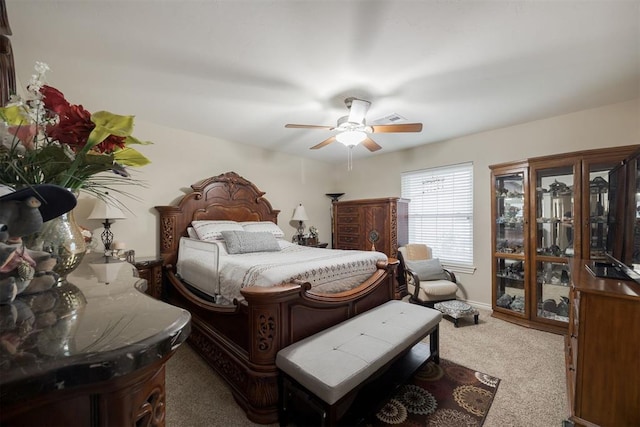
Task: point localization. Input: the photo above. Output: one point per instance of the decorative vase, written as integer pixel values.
(62, 238)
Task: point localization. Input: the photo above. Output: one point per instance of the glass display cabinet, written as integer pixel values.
(546, 211)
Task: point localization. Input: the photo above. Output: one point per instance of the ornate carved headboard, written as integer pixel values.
(224, 197)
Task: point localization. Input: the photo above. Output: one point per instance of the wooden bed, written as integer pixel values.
(241, 341)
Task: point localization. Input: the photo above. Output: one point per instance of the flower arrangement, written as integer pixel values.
(313, 232)
(45, 139)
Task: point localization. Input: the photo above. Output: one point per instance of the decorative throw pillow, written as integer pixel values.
(427, 269)
(211, 230)
(192, 233)
(269, 226)
(242, 242)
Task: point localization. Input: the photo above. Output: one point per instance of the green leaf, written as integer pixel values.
(133, 140)
(108, 124)
(130, 157)
(97, 135)
(14, 115)
(113, 123)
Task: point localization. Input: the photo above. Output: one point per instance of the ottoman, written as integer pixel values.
(456, 309)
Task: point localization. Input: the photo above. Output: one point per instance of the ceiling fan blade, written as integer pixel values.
(371, 145)
(402, 127)
(323, 143)
(307, 126)
(357, 109)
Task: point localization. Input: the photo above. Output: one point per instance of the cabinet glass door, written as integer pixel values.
(635, 246)
(598, 212)
(510, 214)
(596, 186)
(509, 242)
(553, 288)
(554, 212)
(555, 239)
(510, 285)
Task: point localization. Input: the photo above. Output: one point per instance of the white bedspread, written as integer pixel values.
(327, 270)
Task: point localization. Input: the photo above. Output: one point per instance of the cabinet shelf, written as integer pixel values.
(505, 255)
(507, 277)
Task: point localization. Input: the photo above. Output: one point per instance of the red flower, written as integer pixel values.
(74, 125)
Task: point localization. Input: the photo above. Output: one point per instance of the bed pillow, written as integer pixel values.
(210, 230)
(268, 226)
(192, 233)
(427, 269)
(242, 242)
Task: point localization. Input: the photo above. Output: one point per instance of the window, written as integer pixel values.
(441, 211)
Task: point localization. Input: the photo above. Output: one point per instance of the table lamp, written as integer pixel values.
(300, 215)
(106, 211)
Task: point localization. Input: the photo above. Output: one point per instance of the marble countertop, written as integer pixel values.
(85, 331)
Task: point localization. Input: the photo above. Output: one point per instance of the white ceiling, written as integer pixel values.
(240, 70)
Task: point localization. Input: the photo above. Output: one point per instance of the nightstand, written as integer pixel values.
(318, 245)
(312, 242)
(150, 269)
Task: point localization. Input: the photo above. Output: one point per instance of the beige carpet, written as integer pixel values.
(529, 363)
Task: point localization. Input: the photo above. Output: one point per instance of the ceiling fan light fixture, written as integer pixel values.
(351, 137)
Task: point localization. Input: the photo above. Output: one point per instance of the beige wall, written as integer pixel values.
(181, 158)
(379, 176)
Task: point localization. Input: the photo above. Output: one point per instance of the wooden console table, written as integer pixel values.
(602, 350)
(88, 353)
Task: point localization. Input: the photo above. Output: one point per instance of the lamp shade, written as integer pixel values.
(300, 214)
(104, 210)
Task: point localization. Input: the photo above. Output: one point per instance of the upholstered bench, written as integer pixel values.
(331, 366)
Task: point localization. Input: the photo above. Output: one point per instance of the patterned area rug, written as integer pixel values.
(441, 395)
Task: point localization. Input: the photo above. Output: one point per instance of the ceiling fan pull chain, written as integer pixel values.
(350, 158)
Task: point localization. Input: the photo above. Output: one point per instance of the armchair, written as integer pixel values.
(427, 282)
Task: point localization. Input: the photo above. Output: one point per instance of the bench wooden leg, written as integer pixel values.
(290, 391)
(283, 404)
(434, 344)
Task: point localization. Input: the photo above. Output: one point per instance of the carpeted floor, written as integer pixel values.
(529, 363)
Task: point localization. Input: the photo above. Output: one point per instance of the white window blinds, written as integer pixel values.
(441, 211)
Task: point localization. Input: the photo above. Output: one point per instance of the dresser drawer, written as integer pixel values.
(348, 219)
(348, 242)
(349, 229)
(340, 210)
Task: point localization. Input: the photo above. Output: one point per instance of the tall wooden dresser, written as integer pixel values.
(603, 350)
(380, 224)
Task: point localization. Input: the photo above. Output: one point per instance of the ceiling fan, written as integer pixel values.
(353, 130)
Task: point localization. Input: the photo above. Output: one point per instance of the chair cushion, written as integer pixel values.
(439, 287)
(435, 290)
(427, 269)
